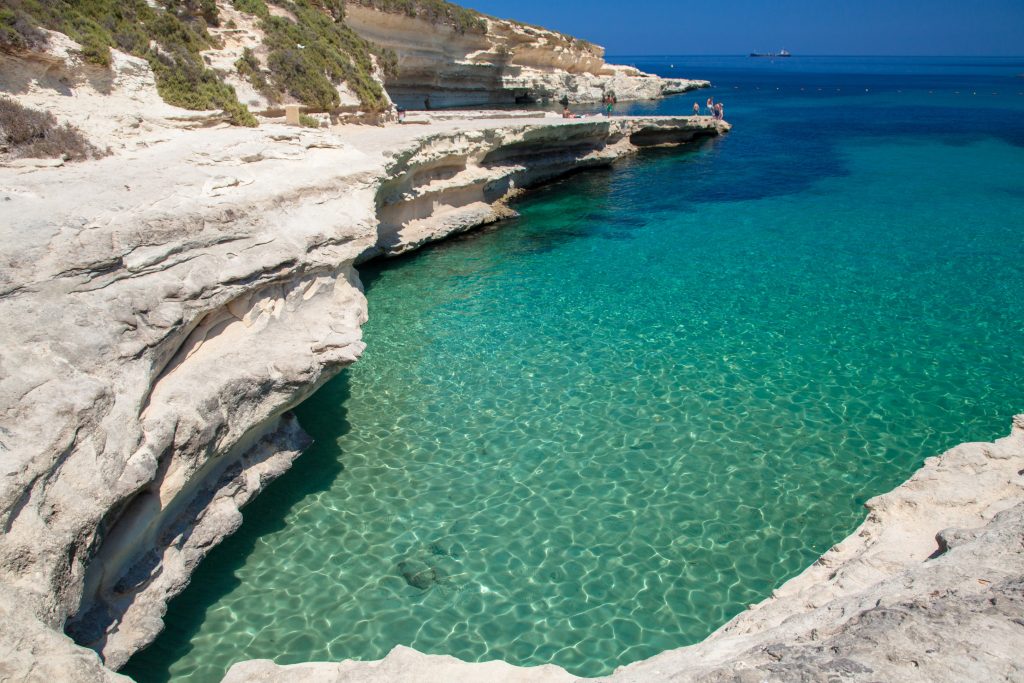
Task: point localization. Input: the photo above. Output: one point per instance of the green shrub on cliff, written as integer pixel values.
(18, 31)
(257, 7)
(248, 67)
(435, 11)
(309, 57)
(178, 27)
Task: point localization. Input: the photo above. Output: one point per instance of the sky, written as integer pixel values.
(808, 27)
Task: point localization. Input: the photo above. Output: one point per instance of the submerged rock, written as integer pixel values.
(418, 574)
(446, 549)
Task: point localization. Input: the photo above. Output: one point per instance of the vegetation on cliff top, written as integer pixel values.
(309, 52)
(307, 58)
(32, 133)
(435, 11)
(169, 36)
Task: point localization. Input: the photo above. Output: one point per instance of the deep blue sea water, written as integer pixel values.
(602, 429)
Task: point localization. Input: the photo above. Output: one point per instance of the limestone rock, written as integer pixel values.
(117, 107)
(510, 63)
(402, 665)
(164, 309)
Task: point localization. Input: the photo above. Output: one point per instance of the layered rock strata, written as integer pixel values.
(166, 307)
(511, 63)
(929, 588)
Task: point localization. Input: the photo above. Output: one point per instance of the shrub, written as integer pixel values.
(248, 67)
(435, 11)
(257, 7)
(177, 26)
(309, 121)
(309, 58)
(336, 8)
(210, 12)
(303, 80)
(32, 133)
(186, 83)
(18, 31)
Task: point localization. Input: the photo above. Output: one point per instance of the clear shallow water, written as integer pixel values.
(602, 429)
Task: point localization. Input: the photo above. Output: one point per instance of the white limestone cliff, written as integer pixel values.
(167, 305)
(510, 63)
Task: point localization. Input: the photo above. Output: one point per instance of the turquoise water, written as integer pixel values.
(600, 430)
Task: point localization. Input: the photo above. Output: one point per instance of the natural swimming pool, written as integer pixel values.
(598, 431)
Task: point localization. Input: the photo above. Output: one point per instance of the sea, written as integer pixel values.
(600, 430)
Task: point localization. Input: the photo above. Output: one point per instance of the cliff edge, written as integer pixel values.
(167, 305)
(502, 63)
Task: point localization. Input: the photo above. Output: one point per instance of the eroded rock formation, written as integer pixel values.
(510, 63)
(165, 308)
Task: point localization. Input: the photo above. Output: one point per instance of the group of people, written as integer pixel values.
(608, 100)
(715, 109)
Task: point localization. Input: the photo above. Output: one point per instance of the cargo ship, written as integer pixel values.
(780, 53)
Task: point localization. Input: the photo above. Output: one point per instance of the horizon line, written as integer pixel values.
(746, 54)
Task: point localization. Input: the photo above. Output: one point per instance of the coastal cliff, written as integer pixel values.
(348, 60)
(504, 63)
(169, 304)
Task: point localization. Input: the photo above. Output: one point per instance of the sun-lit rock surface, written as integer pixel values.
(167, 305)
(510, 63)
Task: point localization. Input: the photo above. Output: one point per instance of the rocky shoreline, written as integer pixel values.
(167, 306)
(510, 63)
(928, 588)
(165, 319)
(120, 486)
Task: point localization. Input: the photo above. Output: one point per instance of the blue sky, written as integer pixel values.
(823, 27)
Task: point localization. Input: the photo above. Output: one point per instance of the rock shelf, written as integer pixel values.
(167, 306)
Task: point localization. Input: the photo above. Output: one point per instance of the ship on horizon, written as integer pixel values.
(780, 53)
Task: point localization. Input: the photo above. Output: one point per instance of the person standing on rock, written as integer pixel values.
(426, 102)
(711, 106)
(696, 108)
(720, 112)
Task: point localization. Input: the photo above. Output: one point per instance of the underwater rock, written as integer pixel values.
(446, 549)
(418, 574)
